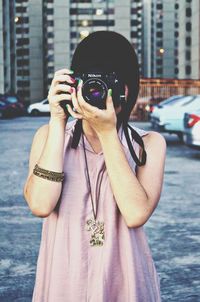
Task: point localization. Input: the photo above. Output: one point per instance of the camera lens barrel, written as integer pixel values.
(96, 85)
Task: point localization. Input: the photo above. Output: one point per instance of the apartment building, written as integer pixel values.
(39, 37)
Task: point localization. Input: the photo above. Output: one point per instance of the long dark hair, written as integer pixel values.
(109, 50)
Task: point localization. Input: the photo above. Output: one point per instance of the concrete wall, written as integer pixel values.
(146, 38)
(168, 39)
(122, 17)
(36, 50)
(61, 35)
(1, 50)
(195, 53)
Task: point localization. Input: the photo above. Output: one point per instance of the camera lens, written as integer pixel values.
(95, 92)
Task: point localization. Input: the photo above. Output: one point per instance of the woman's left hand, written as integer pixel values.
(101, 120)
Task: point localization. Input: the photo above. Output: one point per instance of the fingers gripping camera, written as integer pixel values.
(96, 85)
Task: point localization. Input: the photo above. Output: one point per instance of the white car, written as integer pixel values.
(155, 110)
(170, 118)
(39, 108)
(192, 129)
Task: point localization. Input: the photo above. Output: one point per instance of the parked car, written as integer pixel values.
(167, 102)
(3, 108)
(11, 106)
(39, 108)
(170, 118)
(192, 129)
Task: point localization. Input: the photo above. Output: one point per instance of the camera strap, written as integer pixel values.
(135, 136)
(76, 134)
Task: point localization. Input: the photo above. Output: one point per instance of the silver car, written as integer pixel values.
(192, 129)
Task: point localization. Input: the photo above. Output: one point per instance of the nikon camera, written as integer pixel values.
(95, 88)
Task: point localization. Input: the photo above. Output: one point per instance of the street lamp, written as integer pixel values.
(16, 19)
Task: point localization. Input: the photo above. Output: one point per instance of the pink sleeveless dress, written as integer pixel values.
(68, 268)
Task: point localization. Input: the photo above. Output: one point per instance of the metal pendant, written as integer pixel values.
(97, 229)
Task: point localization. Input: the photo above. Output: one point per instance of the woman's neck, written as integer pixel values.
(88, 130)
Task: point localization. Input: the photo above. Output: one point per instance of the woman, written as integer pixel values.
(93, 246)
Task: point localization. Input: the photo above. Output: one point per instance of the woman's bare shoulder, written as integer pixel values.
(42, 130)
(153, 138)
(153, 141)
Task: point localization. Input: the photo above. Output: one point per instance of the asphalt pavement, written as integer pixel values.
(173, 230)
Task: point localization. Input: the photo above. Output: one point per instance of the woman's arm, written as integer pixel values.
(136, 195)
(47, 150)
(42, 194)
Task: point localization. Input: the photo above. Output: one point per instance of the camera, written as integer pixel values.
(95, 88)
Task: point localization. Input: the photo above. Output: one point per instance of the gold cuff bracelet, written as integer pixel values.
(46, 174)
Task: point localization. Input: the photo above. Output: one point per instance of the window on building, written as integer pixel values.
(159, 70)
(159, 25)
(23, 72)
(188, 41)
(188, 26)
(22, 52)
(81, 11)
(188, 12)
(22, 62)
(20, 30)
(176, 61)
(23, 83)
(73, 34)
(176, 52)
(176, 43)
(159, 6)
(50, 69)
(50, 34)
(23, 93)
(188, 69)
(81, 1)
(134, 34)
(50, 22)
(50, 46)
(22, 41)
(176, 70)
(134, 22)
(22, 20)
(159, 62)
(188, 55)
(176, 6)
(20, 1)
(176, 24)
(50, 58)
(176, 34)
(49, 11)
(159, 34)
(20, 9)
(159, 43)
(93, 23)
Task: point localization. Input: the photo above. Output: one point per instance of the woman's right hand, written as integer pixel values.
(59, 92)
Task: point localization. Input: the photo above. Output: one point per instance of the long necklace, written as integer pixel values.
(96, 227)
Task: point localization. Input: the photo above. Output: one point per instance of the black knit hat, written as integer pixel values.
(110, 51)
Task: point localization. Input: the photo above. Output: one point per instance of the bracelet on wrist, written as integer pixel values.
(47, 174)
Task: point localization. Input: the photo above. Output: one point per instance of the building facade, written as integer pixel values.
(44, 35)
(171, 39)
(159, 38)
(38, 37)
(189, 42)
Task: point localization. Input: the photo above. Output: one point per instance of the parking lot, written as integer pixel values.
(173, 230)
